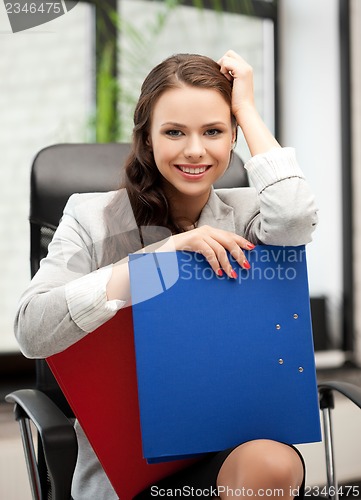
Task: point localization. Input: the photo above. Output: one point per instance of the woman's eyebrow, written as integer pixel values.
(175, 124)
(214, 124)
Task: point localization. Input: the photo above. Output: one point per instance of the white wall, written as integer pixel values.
(45, 97)
(310, 121)
(356, 160)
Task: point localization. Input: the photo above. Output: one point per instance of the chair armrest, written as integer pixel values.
(326, 394)
(56, 433)
(350, 391)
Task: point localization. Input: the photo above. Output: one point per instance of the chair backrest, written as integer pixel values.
(60, 170)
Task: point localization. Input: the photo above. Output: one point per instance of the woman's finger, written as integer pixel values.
(239, 256)
(234, 244)
(213, 244)
(227, 238)
(222, 258)
(211, 256)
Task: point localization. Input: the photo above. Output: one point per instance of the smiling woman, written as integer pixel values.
(192, 144)
(185, 126)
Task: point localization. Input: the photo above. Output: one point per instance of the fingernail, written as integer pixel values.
(246, 264)
(251, 246)
(220, 272)
(234, 274)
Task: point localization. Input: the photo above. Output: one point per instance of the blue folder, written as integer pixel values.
(221, 361)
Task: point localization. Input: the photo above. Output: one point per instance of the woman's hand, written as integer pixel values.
(213, 244)
(235, 68)
(259, 139)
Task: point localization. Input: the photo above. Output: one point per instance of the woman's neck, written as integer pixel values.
(186, 210)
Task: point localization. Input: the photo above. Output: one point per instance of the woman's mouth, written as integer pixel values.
(193, 170)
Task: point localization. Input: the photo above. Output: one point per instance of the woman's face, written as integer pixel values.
(191, 137)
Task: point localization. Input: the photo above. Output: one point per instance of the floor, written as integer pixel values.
(346, 424)
(346, 420)
(14, 483)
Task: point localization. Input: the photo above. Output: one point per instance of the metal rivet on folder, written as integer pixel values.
(300, 369)
(280, 361)
(278, 327)
(295, 316)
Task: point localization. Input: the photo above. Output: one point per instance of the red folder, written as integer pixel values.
(98, 378)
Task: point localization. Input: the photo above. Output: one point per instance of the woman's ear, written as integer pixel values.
(148, 142)
(234, 137)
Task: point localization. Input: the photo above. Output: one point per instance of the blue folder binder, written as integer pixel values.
(221, 361)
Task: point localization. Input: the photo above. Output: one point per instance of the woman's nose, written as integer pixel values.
(194, 147)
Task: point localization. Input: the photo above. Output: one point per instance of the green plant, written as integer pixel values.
(107, 122)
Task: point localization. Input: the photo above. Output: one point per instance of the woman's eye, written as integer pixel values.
(213, 131)
(174, 133)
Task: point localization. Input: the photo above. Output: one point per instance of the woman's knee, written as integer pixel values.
(262, 462)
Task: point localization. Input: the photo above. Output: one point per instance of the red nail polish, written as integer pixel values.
(220, 272)
(246, 264)
(234, 274)
(251, 246)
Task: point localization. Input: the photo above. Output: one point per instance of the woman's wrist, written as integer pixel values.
(118, 286)
(244, 111)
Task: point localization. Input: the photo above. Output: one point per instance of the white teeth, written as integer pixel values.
(189, 170)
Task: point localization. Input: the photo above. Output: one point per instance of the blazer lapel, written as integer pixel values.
(217, 214)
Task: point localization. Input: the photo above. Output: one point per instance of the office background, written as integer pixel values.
(47, 95)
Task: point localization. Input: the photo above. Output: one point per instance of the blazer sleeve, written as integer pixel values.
(66, 299)
(287, 212)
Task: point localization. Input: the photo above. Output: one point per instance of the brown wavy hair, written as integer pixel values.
(142, 180)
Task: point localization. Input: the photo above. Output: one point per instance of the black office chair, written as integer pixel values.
(57, 172)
